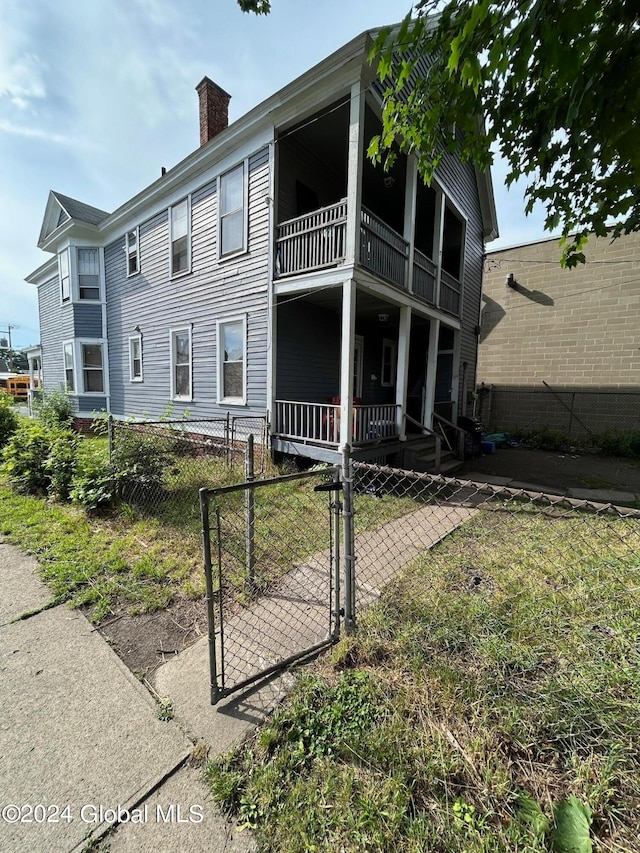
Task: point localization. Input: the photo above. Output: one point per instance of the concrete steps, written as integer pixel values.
(419, 454)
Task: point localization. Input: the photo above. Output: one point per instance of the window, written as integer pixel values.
(180, 227)
(88, 274)
(232, 342)
(68, 367)
(232, 214)
(133, 252)
(453, 243)
(65, 278)
(92, 372)
(181, 364)
(135, 358)
(389, 356)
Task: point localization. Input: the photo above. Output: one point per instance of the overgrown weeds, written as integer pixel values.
(490, 701)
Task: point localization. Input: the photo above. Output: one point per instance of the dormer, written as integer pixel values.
(66, 216)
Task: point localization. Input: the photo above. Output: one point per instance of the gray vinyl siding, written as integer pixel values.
(87, 320)
(90, 404)
(212, 291)
(56, 326)
(308, 355)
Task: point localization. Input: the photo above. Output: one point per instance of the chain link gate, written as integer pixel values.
(272, 567)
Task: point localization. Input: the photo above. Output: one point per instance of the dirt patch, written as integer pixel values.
(557, 471)
(147, 641)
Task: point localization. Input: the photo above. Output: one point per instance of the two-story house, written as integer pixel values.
(276, 271)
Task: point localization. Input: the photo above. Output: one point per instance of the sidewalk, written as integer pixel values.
(80, 738)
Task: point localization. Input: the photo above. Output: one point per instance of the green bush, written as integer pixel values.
(25, 457)
(61, 462)
(92, 485)
(625, 444)
(53, 408)
(139, 462)
(8, 418)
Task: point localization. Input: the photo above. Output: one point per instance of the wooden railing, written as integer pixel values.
(319, 423)
(449, 293)
(424, 277)
(383, 251)
(313, 241)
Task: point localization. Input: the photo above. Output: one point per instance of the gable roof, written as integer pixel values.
(62, 209)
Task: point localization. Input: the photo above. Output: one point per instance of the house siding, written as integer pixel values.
(56, 326)
(87, 320)
(309, 335)
(212, 291)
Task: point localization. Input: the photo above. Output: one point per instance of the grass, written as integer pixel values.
(496, 678)
(147, 553)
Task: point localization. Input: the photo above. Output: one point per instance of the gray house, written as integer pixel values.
(275, 271)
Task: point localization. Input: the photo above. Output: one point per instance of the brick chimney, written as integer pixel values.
(214, 109)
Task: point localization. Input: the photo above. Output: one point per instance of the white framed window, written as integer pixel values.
(88, 264)
(132, 250)
(69, 366)
(232, 360)
(180, 237)
(389, 361)
(92, 368)
(135, 358)
(65, 275)
(181, 364)
(232, 211)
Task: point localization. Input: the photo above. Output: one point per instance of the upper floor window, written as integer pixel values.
(180, 237)
(65, 276)
(88, 273)
(181, 383)
(232, 227)
(232, 360)
(133, 252)
(453, 243)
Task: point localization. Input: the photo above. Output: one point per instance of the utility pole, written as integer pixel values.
(7, 331)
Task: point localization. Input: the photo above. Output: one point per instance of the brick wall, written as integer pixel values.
(578, 330)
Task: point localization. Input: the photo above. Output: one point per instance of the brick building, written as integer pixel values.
(561, 347)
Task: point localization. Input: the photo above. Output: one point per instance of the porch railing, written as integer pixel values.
(449, 293)
(313, 241)
(424, 277)
(319, 423)
(383, 251)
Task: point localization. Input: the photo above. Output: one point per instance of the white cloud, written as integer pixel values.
(39, 133)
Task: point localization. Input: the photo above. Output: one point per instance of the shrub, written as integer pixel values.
(92, 485)
(139, 464)
(54, 408)
(8, 418)
(61, 463)
(25, 457)
(626, 444)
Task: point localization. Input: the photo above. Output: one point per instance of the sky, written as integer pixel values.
(97, 95)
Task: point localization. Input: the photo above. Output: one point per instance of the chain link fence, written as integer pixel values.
(158, 466)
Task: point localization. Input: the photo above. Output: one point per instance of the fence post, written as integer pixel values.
(250, 514)
(349, 543)
(208, 573)
(335, 508)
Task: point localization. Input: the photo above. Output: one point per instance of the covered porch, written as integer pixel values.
(353, 368)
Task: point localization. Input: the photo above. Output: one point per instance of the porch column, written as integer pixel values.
(402, 371)
(354, 174)
(410, 202)
(346, 362)
(438, 234)
(432, 366)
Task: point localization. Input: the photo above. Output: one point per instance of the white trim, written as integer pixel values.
(179, 330)
(128, 252)
(393, 346)
(101, 342)
(186, 271)
(227, 321)
(76, 274)
(244, 165)
(133, 378)
(63, 301)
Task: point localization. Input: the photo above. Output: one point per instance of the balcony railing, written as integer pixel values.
(313, 241)
(383, 251)
(319, 423)
(424, 277)
(449, 293)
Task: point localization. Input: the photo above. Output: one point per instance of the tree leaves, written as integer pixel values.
(571, 833)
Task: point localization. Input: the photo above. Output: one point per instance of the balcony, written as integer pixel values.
(317, 241)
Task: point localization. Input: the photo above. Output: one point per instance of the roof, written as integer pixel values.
(79, 210)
